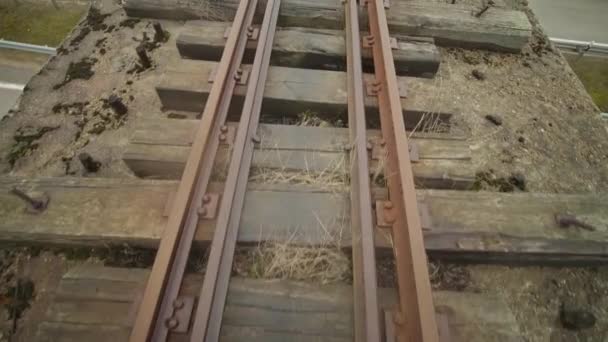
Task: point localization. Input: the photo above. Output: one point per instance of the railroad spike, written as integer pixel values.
(36, 204)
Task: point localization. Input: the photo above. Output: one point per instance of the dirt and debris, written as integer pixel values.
(89, 164)
(575, 318)
(489, 180)
(117, 105)
(480, 75)
(82, 69)
(25, 141)
(160, 35)
(17, 299)
(495, 119)
(443, 276)
(129, 22)
(94, 21)
(536, 296)
(284, 261)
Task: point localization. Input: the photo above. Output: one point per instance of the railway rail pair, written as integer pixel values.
(163, 311)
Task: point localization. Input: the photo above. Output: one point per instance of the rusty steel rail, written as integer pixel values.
(212, 297)
(415, 316)
(156, 313)
(366, 314)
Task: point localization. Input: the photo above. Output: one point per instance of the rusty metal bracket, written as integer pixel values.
(169, 204)
(414, 151)
(442, 315)
(394, 43)
(372, 87)
(36, 202)
(389, 326)
(384, 214)
(393, 318)
(402, 91)
(252, 33)
(208, 209)
(241, 76)
(179, 321)
(425, 216)
(378, 151)
(227, 135)
(367, 41)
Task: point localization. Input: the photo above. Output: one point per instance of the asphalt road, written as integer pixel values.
(13, 77)
(585, 20)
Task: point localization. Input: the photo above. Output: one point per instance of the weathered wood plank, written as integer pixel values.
(102, 312)
(71, 332)
(160, 148)
(476, 226)
(291, 91)
(278, 310)
(180, 132)
(307, 48)
(454, 25)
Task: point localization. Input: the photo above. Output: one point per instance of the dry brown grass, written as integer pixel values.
(430, 122)
(214, 10)
(321, 260)
(333, 178)
(312, 119)
(272, 260)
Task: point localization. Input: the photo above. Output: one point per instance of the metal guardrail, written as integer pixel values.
(7, 44)
(581, 47)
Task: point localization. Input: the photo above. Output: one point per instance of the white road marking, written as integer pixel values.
(12, 86)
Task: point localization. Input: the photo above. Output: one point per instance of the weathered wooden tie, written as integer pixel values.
(292, 91)
(450, 24)
(159, 148)
(94, 303)
(473, 226)
(308, 48)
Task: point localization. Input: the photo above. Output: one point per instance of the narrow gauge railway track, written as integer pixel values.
(162, 310)
(414, 318)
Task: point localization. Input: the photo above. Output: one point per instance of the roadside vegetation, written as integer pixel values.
(37, 23)
(593, 72)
